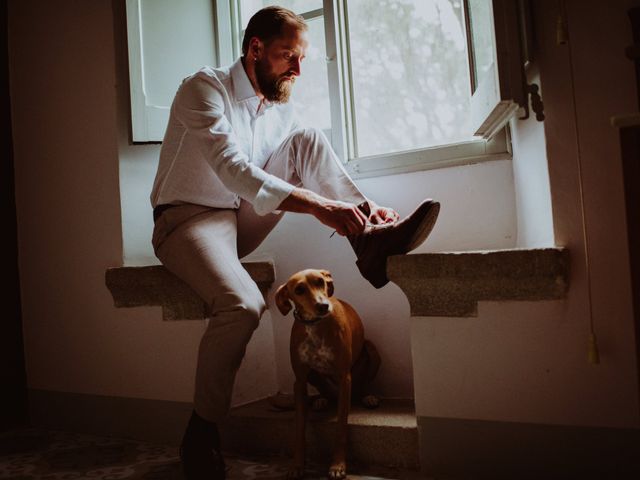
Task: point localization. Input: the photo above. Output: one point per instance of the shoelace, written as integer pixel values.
(374, 226)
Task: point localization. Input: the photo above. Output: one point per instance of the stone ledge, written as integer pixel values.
(451, 284)
(387, 435)
(156, 286)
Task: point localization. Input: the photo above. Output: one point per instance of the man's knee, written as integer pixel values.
(244, 310)
(310, 146)
(252, 312)
(308, 136)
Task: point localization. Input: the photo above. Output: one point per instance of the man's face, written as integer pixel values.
(279, 65)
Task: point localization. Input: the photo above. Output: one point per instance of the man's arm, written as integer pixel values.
(200, 108)
(345, 218)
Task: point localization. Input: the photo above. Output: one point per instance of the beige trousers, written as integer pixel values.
(203, 245)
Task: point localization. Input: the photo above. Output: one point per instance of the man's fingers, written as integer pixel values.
(361, 215)
(353, 222)
(384, 215)
(355, 226)
(357, 220)
(345, 218)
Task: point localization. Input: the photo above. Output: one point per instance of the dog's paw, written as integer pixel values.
(295, 472)
(371, 401)
(338, 471)
(282, 401)
(319, 404)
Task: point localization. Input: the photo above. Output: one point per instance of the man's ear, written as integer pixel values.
(255, 47)
(283, 300)
(329, 279)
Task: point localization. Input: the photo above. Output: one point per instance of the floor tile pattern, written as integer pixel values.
(34, 454)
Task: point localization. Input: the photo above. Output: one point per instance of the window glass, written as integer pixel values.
(482, 37)
(410, 75)
(311, 90)
(249, 7)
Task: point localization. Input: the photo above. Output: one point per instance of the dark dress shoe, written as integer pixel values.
(378, 242)
(201, 463)
(200, 451)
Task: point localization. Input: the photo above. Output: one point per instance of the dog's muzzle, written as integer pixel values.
(311, 321)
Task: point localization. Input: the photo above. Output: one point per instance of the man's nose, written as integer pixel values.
(295, 67)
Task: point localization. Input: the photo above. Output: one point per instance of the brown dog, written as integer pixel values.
(329, 351)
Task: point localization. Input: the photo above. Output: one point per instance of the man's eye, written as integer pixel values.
(299, 290)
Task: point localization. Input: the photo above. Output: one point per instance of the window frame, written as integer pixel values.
(147, 123)
(499, 93)
(149, 120)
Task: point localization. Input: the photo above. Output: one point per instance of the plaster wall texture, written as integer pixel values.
(527, 362)
(67, 108)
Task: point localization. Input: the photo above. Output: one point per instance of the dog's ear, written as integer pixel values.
(283, 300)
(329, 279)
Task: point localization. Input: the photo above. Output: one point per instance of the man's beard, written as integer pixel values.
(275, 89)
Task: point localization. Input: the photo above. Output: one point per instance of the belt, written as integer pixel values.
(157, 211)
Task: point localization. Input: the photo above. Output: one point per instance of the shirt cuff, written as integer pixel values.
(271, 194)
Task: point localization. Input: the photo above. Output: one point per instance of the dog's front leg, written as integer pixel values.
(338, 468)
(300, 389)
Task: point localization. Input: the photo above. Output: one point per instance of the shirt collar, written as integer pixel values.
(243, 90)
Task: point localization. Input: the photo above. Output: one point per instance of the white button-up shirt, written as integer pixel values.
(217, 142)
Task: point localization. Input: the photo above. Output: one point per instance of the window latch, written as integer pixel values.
(536, 103)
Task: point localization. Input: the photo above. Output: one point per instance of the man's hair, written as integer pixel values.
(268, 23)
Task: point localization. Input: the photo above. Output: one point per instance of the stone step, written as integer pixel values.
(386, 436)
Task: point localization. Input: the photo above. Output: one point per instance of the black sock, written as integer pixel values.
(201, 432)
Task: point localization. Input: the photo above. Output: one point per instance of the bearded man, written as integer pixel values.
(233, 161)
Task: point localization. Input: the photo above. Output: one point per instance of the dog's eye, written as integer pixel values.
(320, 282)
(299, 290)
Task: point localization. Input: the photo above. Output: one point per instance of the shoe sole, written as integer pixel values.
(425, 227)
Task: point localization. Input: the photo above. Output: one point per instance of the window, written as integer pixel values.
(168, 39)
(397, 85)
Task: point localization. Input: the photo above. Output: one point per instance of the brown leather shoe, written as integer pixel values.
(378, 242)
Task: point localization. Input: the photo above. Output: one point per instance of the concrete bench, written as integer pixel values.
(156, 286)
(436, 284)
(451, 284)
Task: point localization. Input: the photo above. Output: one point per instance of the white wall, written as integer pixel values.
(477, 212)
(64, 112)
(531, 176)
(527, 362)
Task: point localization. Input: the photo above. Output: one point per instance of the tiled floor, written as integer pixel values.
(33, 454)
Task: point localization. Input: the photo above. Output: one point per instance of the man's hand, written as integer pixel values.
(345, 218)
(382, 214)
